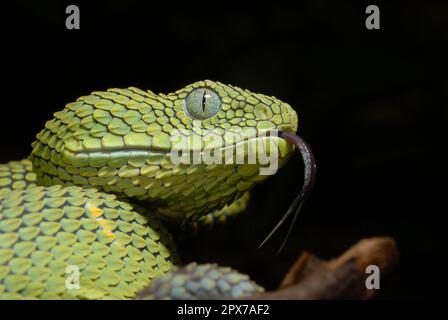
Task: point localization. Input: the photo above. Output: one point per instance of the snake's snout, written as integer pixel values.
(308, 183)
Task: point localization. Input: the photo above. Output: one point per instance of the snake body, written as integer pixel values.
(100, 185)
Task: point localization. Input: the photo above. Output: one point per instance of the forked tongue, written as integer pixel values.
(308, 183)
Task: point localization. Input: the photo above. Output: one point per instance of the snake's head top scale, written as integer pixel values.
(185, 153)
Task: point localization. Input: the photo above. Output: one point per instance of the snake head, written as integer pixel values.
(142, 146)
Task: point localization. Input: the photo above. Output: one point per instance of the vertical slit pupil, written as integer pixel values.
(204, 100)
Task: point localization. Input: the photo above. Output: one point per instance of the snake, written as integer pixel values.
(90, 213)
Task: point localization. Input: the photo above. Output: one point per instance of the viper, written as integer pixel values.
(85, 216)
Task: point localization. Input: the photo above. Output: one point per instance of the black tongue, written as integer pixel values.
(308, 183)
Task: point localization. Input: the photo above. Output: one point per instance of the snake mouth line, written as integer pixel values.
(308, 183)
(154, 150)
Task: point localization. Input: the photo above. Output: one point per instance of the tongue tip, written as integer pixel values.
(308, 183)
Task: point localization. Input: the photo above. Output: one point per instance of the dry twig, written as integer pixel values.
(340, 278)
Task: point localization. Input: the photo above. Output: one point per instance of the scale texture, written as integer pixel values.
(76, 203)
(205, 281)
(46, 229)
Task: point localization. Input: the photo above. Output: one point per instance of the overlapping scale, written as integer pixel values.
(45, 230)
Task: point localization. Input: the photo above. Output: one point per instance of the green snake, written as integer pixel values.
(84, 217)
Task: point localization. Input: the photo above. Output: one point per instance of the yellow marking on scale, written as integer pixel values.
(107, 231)
(97, 213)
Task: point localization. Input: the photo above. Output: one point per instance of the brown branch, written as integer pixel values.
(340, 278)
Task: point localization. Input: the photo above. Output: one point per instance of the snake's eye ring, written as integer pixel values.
(202, 103)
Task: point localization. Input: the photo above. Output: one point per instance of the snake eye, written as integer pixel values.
(202, 103)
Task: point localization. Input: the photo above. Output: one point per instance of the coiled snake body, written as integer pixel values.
(75, 206)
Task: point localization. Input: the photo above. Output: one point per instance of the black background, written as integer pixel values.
(369, 103)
